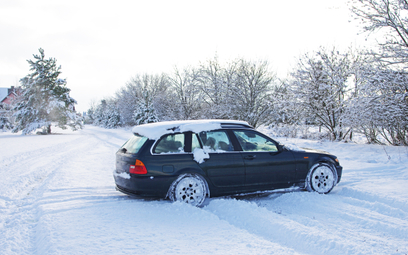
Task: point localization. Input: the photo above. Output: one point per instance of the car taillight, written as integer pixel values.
(138, 168)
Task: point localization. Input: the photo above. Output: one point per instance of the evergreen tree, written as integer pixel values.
(45, 99)
(145, 112)
(98, 115)
(106, 114)
(112, 117)
(5, 123)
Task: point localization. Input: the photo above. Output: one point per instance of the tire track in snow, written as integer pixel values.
(109, 137)
(273, 226)
(20, 214)
(24, 177)
(85, 182)
(375, 202)
(317, 224)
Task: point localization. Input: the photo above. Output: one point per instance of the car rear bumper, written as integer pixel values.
(142, 185)
(127, 192)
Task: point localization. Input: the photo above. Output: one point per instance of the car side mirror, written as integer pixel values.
(281, 147)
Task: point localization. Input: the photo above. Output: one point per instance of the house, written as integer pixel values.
(3, 93)
(7, 96)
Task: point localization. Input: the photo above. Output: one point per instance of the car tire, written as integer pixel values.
(190, 189)
(321, 178)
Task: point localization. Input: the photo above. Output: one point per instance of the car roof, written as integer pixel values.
(155, 130)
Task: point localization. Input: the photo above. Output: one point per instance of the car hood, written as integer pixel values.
(292, 147)
(315, 151)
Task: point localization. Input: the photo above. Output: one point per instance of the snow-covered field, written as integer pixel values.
(57, 196)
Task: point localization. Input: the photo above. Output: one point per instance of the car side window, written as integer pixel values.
(172, 143)
(216, 141)
(251, 141)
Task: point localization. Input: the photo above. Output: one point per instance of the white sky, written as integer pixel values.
(101, 45)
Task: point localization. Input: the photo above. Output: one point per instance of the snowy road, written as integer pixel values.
(57, 196)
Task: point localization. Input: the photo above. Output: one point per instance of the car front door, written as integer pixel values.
(265, 163)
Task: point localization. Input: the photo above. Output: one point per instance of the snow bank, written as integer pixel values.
(57, 194)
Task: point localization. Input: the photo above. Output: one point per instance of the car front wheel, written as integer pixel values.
(321, 178)
(190, 189)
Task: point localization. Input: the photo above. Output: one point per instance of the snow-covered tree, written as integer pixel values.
(250, 97)
(157, 89)
(106, 114)
(145, 112)
(45, 99)
(5, 123)
(284, 109)
(126, 98)
(381, 108)
(321, 85)
(240, 90)
(112, 116)
(98, 114)
(89, 116)
(187, 94)
(213, 82)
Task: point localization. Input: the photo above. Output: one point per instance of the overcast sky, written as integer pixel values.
(101, 45)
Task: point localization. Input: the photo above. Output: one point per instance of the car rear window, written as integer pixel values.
(134, 144)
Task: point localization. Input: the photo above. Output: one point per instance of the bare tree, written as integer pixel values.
(187, 94)
(152, 89)
(390, 16)
(240, 89)
(212, 82)
(251, 95)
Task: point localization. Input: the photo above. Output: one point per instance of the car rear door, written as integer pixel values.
(225, 167)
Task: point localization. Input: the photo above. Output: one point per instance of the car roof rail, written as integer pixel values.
(235, 125)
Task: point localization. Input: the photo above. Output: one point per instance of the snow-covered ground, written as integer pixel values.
(57, 196)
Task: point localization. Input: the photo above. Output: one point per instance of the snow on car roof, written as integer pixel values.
(155, 130)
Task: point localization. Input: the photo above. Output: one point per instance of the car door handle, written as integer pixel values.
(250, 157)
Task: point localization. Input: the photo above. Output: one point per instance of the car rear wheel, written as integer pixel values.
(190, 189)
(321, 178)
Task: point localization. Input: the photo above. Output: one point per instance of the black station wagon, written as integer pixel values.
(190, 160)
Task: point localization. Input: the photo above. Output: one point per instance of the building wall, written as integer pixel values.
(9, 98)
(3, 93)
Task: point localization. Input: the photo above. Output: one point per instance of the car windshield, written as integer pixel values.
(134, 144)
